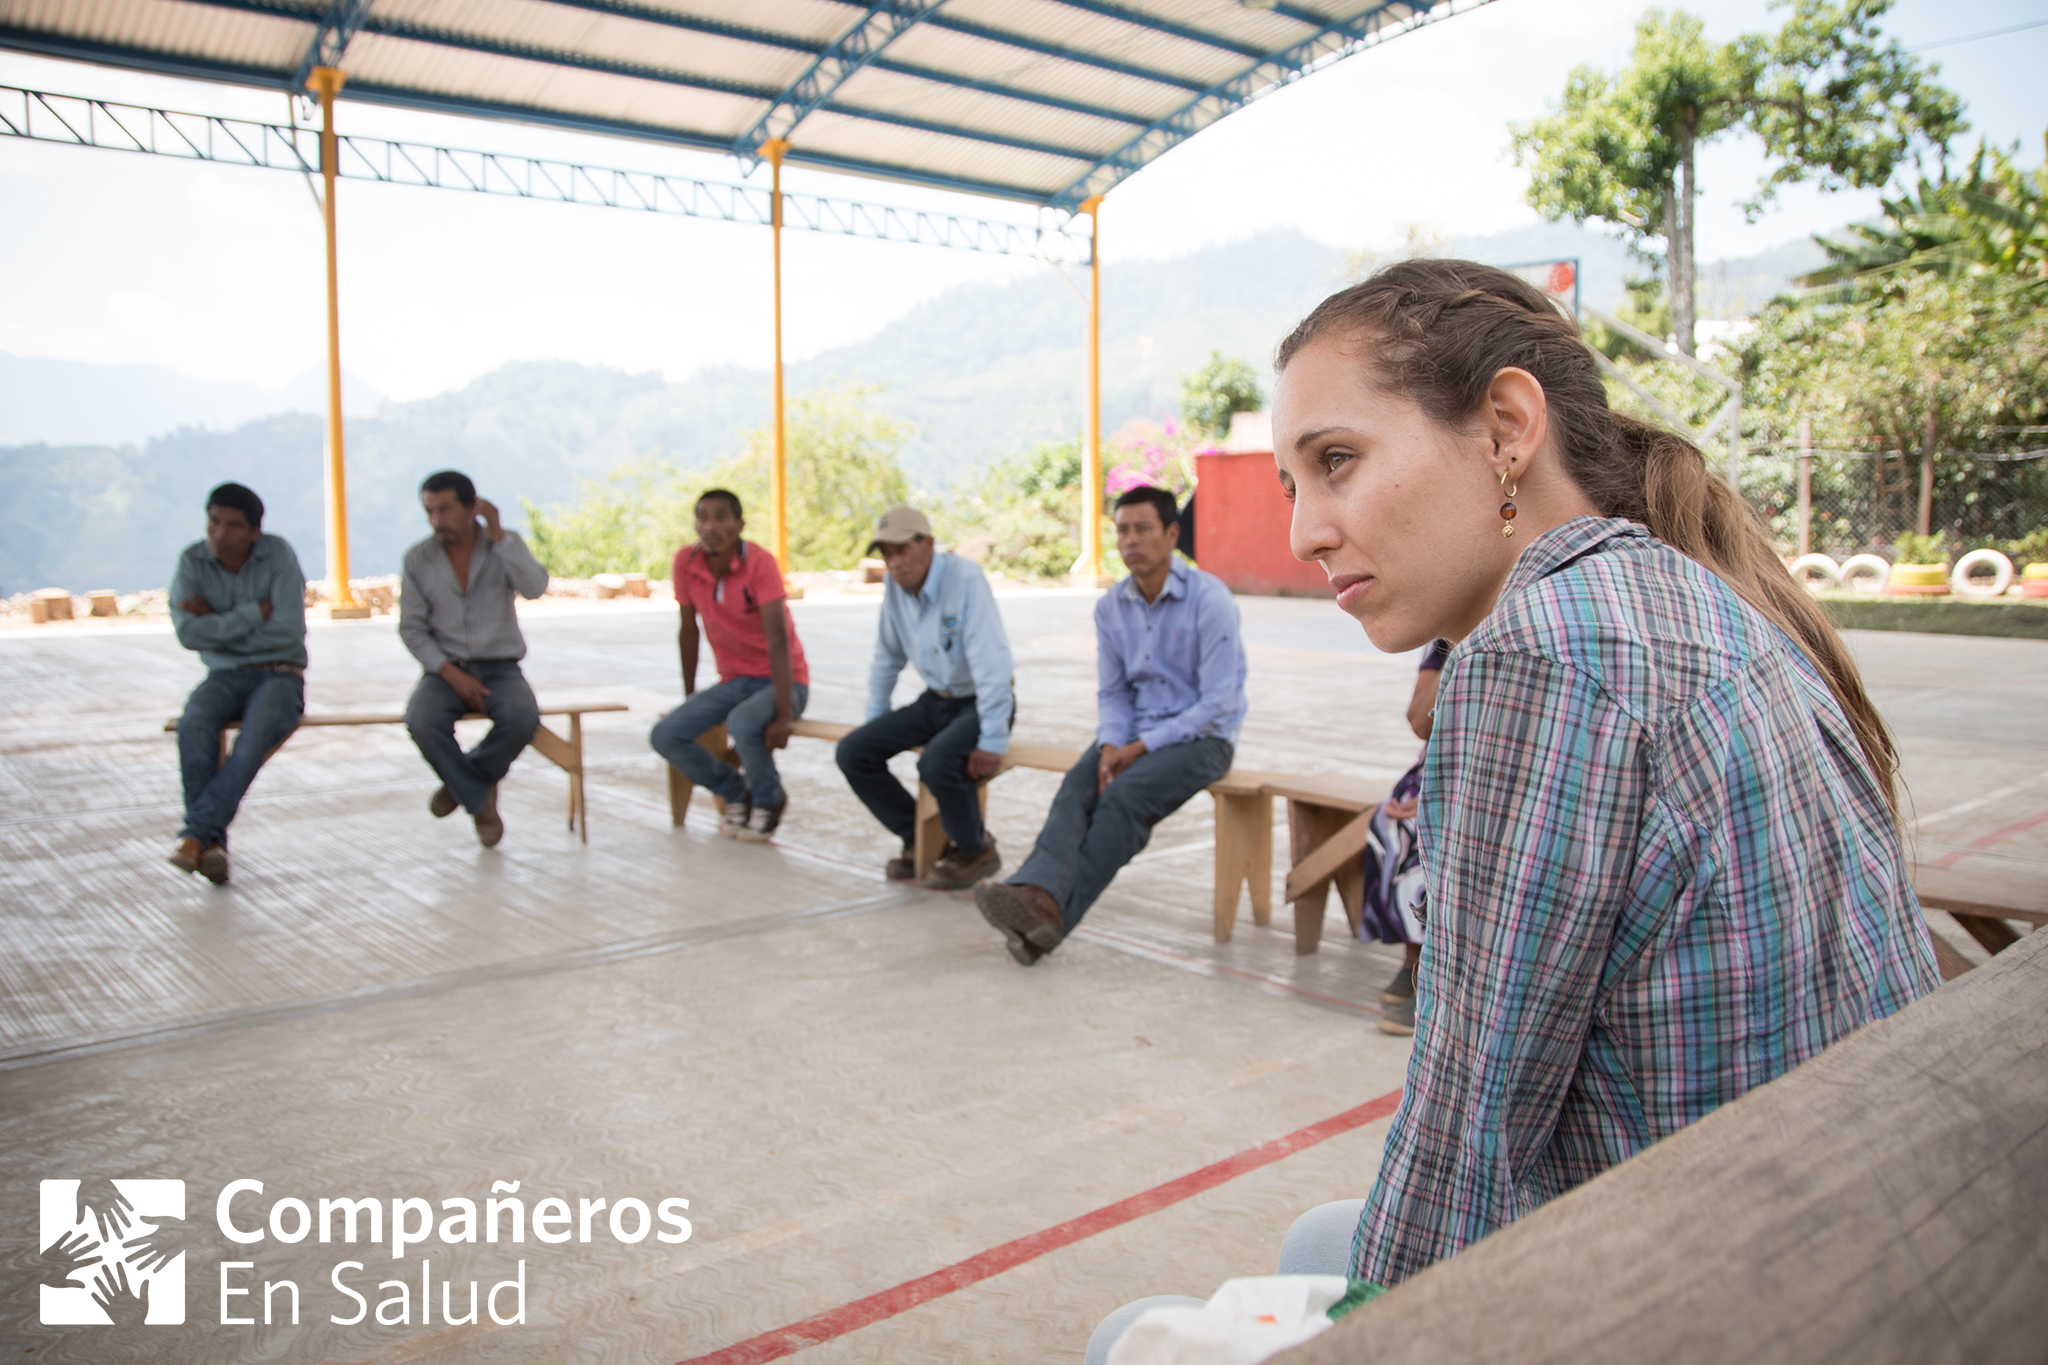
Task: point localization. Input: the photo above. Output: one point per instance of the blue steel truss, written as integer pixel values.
(862, 44)
(1332, 44)
(75, 121)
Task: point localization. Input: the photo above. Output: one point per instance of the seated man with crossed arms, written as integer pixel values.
(1170, 699)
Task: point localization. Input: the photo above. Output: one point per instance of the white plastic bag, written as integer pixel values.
(1244, 1322)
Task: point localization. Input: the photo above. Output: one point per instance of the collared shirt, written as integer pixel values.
(1171, 670)
(439, 621)
(731, 609)
(952, 634)
(1659, 872)
(236, 633)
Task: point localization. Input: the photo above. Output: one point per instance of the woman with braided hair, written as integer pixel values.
(1658, 814)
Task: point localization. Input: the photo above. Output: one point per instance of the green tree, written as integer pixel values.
(843, 473)
(1209, 396)
(1832, 100)
(1022, 514)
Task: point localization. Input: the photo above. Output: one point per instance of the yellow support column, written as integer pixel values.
(778, 475)
(326, 80)
(1088, 568)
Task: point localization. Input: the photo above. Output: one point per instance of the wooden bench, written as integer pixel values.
(1244, 816)
(1328, 818)
(1983, 896)
(566, 754)
(1885, 1202)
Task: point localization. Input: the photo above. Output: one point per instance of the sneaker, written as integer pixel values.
(441, 804)
(1026, 917)
(213, 864)
(956, 872)
(737, 815)
(1402, 987)
(1399, 1017)
(489, 827)
(185, 857)
(760, 825)
(902, 867)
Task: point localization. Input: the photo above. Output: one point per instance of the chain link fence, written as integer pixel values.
(1861, 501)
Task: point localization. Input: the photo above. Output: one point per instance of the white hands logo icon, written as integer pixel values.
(110, 1258)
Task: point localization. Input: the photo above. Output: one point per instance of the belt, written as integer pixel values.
(299, 669)
(952, 696)
(465, 663)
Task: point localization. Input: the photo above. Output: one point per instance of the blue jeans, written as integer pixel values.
(1088, 837)
(430, 719)
(268, 705)
(1319, 1243)
(746, 705)
(948, 729)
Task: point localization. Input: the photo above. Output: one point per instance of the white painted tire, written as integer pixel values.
(2001, 574)
(1830, 573)
(1856, 566)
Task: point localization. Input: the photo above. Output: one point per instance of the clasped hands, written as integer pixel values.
(1114, 758)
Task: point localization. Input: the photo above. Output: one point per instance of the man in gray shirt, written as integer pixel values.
(455, 614)
(238, 599)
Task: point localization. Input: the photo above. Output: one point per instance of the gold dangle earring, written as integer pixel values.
(1507, 508)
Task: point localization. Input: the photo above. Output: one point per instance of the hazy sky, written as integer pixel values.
(216, 271)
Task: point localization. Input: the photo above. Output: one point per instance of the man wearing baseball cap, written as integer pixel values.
(939, 616)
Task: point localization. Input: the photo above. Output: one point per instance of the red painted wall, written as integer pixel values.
(1241, 520)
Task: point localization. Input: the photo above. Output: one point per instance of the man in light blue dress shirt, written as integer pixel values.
(1170, 666)
(939, 616)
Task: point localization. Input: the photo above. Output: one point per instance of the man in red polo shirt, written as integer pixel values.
(763, 681)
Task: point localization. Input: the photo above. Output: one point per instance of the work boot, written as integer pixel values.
(737, 814)
(761, 824)
(185, 857)
(902, 867)
(956, 871)
(441, 803)
(213, 864)
(489, 828)
(1027, 916)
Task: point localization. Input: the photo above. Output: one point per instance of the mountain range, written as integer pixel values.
(979, 371)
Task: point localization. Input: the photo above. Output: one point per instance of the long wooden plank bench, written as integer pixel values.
(1244, 816)
(1885, 1202)
(1982, 895)
(565, 753)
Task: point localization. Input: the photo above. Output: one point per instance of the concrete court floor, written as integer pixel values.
(851, 1083)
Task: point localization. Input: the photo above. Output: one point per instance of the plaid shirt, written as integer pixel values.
(1660, 874)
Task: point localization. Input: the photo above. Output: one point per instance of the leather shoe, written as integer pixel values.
(957, 872)
(213, 864)
(185, 857)
(1027, 917)
(901, 868)
(489, 828)
(441, 803)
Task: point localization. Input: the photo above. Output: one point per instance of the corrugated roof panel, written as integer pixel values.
(1081, 30)
(886, 92)
(979, 59)
(396, 63)
(580, 33)
(1046, 100)
(239, 38)
(959, 157)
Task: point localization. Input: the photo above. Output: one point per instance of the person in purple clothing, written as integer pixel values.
(1392, 906)
(1659, 819)
(1171, 667)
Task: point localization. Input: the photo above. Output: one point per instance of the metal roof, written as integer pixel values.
(1043, 101)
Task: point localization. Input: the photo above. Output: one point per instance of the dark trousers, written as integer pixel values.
(1089, 836)
(268, 704)
(949, 728)
(430, 719)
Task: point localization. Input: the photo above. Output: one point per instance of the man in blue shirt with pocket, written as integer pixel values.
(238, 599)
(1170, 666)
(939, 616)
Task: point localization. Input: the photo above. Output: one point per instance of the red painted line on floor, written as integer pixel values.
(1996, 837)
(786, 1341)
